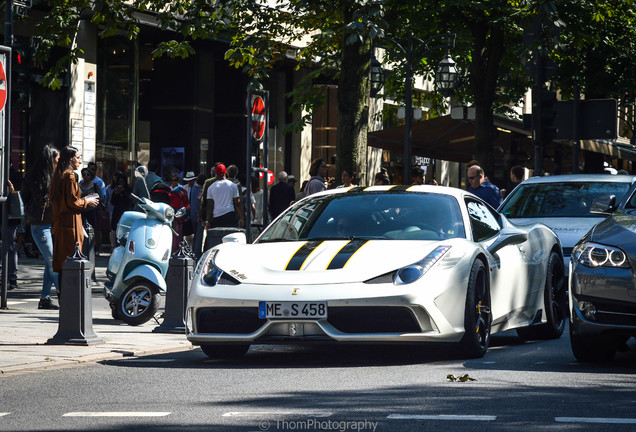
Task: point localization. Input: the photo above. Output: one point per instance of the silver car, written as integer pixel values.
(564, 203)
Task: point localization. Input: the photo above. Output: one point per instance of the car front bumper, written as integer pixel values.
(602, 300)
(378, 320)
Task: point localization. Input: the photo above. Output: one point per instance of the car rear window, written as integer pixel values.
(573, 199)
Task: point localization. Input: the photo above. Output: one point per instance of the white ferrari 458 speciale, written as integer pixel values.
(380, 264)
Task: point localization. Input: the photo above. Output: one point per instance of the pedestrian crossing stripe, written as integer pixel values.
(116, 414)
(442, 417)
(595, 420)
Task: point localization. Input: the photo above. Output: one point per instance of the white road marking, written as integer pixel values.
(442, 417)
(277, 413)
(4, 414)
(595, 420)
(147, 360)
(116, 414)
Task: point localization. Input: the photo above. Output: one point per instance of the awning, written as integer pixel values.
(620, 149)
(454, 140)
(439, 138)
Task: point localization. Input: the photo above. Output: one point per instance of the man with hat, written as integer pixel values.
(189, 180)
(223, 202)
(291, 180)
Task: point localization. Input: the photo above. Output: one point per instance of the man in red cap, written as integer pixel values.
(223, 202)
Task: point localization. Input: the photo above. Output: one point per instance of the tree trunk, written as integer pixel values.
(353, 110)
(487, 53)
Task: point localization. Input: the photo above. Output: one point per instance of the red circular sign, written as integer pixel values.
(270, 178)
(258, 118)
(3, 87)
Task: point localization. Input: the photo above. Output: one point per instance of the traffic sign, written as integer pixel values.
(3, 86)
(258, 118)
(270, 178)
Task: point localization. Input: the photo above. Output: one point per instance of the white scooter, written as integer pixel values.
(137, 267)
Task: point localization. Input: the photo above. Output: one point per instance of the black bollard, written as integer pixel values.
(214, 236)
(178, 280)
(76, 303)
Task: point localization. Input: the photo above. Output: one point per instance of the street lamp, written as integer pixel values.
(377, 77)
(446, 79)
(447, 76)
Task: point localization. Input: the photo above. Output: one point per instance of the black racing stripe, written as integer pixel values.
(344, 254)
(400, 188)
(296, 262)
(357, 189)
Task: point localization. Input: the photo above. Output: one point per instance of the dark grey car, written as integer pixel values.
(603, 285)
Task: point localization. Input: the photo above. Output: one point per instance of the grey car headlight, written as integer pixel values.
(597, 255)
(413, 272)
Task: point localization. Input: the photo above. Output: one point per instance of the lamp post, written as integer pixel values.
(446, 79)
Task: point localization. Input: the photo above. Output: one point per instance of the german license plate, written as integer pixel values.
(283, 310)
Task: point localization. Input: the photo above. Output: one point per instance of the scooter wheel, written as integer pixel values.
(139, 303)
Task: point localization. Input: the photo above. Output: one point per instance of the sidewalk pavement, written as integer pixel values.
(25, 329)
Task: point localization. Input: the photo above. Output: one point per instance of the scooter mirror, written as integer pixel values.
(180, 213)
(141, 171)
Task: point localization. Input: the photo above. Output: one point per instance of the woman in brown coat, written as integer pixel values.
(66, 207)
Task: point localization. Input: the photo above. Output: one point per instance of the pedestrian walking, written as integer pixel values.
(178, 200)
(318, 173)
(223, 202)
(196, 194)
(14, 222)
(66, 206)
(37, 205)
(281, 195)
(120, 202)
(481, 187)
(347, 177)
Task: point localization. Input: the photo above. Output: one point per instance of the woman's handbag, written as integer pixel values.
(16, 207)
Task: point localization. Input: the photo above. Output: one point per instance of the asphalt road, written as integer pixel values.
(518, 387)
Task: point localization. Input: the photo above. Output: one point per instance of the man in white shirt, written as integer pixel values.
(223, 202)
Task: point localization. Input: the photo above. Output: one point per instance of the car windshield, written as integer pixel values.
(571, 199)
(370, 215)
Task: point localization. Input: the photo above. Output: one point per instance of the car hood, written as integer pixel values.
(617, 230)
(569, 230)
(316, 262)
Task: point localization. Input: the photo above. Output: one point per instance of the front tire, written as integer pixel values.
(591, 348)
(224, 352)
(555, 301)
(477, 313)
(139, 303)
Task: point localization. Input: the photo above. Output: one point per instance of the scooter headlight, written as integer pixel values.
(207, 269)
(168, 214)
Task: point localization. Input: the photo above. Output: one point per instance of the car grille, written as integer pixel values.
(347, 319)
(228, 320)
(615, 313)
(373, 319)
(567, 251)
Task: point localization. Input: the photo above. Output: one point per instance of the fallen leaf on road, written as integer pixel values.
(463, 378)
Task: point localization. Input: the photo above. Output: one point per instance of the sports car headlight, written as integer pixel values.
(168, 214)
(413, 272)
(210, 273)
(598, 255)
